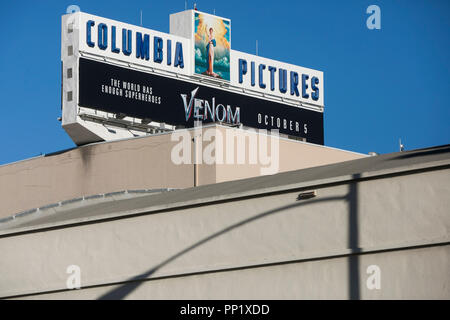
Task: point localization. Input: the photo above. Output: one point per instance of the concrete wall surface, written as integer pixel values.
(139, 163)
(267, 246)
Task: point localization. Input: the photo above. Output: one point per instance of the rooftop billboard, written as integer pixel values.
(190, 73)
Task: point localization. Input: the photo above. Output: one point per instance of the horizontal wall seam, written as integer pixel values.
(337, 254)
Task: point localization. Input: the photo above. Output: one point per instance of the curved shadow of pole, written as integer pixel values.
(133, 283)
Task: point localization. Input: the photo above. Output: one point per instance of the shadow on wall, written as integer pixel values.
(353, 240)
(353, 269)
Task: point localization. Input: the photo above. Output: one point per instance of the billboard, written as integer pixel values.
(198, 44)
(212, 46)
(177, 102)
(193, 74)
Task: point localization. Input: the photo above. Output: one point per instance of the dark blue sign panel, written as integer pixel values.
(139, 94)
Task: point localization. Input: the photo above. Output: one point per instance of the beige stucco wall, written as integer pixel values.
(88, 170)
(404, 276)
(292, 155)
(140, 163)
(269, 246)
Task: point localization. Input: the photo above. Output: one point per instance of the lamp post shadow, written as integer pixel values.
(353, 241)
(130, 285)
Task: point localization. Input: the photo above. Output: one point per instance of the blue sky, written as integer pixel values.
(380, 85)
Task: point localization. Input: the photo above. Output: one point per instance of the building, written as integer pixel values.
(200, 172)
(143, 163)
(311, 233)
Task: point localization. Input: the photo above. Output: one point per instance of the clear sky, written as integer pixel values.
(380, 85)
